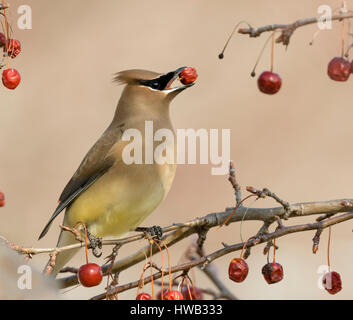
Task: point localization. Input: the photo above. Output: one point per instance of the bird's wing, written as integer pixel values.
(97, 162)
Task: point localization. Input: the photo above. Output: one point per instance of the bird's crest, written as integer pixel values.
(134, 76)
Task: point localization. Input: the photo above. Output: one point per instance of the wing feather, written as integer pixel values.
(96, 163)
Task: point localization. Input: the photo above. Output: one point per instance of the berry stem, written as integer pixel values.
(342, 39)
(235, 209)
(169, 266)
(260, 55)
(151, 269)
(343, 8)
(188, 287)
(142, 279)
(272, 49)
(274, 250)
(221, 55)
(328, 249)
(162, 266)
(7, 35)
(86, 247)
(244, 246)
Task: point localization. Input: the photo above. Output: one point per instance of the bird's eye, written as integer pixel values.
(155, 85)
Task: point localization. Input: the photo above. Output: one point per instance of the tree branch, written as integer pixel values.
(204, 261)
(179, 232)
(287, 30)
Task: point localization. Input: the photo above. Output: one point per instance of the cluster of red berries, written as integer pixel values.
(191, 293)
(167, 295)
(90, 275)
(10, 77)
(273, 273)
(238, 271)
(339, 69)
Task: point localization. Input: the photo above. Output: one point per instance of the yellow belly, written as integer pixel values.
(121, 199)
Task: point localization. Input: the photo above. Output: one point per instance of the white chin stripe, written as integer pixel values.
(172, 89)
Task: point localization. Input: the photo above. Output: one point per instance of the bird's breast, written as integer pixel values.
(122, 198)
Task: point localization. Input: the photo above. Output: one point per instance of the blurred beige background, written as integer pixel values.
(297, 143)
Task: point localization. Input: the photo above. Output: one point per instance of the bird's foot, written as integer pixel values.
(95, 244)
(154, 232)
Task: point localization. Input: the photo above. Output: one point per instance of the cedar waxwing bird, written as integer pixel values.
(110, 196)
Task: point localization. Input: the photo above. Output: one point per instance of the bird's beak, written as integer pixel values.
(171, 77)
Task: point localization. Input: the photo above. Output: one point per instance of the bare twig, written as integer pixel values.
(316, 239)
(233, 180)
(287, 30)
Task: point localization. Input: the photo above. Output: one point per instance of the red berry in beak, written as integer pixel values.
(272, 272)
(11, 78)
(90, 275)
(238, 270)
(2, 199)
(269, 82)
(188, 75)
(332, 282)
(194, 294)
(2, 40)
(13, 48)
(339, 69)
(144, 296)
(173, 295)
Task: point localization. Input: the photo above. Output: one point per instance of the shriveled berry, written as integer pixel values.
(272, 272)
(238, 270)
(90, 275)
(188, 75)
(332, 282)
(11, 78)
(192, 293)
(339, 69)
(269, 82)
(173, 295)
(144, 296)
(13, 48)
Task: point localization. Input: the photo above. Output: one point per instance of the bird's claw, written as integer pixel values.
(95, 244)
(154, 232)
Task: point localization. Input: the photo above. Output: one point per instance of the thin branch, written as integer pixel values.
(233, 180)
(236, 247)
(181, 231)
(316, 240)
(287, 30)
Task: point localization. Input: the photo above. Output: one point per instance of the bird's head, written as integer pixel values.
(151, 87)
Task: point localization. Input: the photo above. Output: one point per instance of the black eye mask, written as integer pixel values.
(159, 83)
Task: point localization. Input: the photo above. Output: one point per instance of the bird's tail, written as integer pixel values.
(66, 238)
